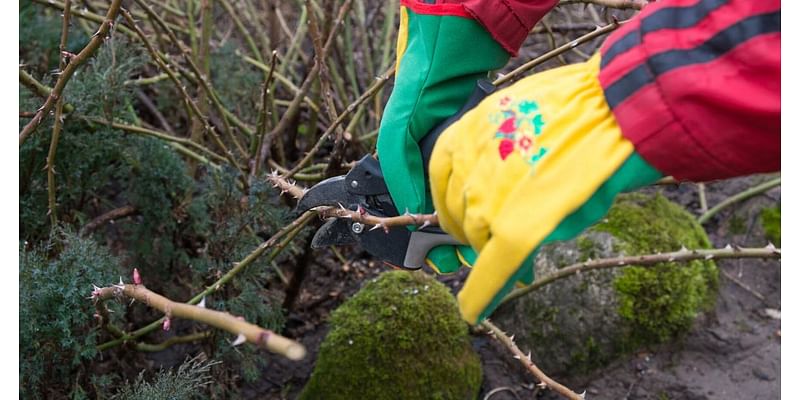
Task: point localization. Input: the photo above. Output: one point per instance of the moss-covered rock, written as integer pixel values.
(399, 337)
(587, 320)
(771, 222)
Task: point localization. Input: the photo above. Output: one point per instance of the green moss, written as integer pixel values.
(587, 248)
(736, 225)
(588, 357)
(659, 302)
(400, 337)
(771, 221)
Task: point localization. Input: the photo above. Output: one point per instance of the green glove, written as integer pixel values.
(440, 57)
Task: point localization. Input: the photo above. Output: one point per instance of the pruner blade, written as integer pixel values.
(335, 232)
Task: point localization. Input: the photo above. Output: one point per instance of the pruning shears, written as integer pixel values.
(364, 189)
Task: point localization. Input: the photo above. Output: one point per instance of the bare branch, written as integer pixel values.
(546, 381)
(682, 255)
(557, 51)
(238, 326)
(97, 39)
(102, 219)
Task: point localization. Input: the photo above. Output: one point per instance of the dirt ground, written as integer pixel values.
(732, 352)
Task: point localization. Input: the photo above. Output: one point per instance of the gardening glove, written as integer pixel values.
(441, 53)
(536, 162)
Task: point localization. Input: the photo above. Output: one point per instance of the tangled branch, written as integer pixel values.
(64, 76)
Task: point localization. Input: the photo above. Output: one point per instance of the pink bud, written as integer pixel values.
(137, 279)
(167, 324)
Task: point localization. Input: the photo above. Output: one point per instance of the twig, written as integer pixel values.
(682, 255)
(65, 75)
(84, 14)
(189, 102)
(242, 30)
(739, 197)
(202, 78)
(285, 235)
(557, 51)
(361, 215)
(282, 79)
(266, 110)
(667, 180)
(202, 57)
(139, 130)
(151, 348)
(701, 194)
(312, 75)
(244, 330)
(303, 175)
(104, 218)
(501, 389)
(379, 82)
(39, 89)
(743, 286)
(620, 4)
(546, 381)
(63, 59)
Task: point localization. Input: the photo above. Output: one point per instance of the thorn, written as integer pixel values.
(582, 395)
(239, 340)
(710, 256)
(770, 246)
(120, 285)
(683, 249)
(167, 324)
(542, 385)
(202, 302)
(728, 247)
(517, 357)
(671, 258)
(511, 337)
(376, 227)
(133, 300)
(529, 356)
(137, 279)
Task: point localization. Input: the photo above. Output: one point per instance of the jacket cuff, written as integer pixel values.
(508, 21)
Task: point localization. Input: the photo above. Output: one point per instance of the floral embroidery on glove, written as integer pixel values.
(519, 123)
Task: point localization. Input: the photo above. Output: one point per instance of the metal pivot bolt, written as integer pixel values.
(354, 184)
(357, 227)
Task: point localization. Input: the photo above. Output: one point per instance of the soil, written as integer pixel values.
(732, 352)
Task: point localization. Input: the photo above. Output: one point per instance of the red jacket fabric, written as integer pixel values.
(695, 85)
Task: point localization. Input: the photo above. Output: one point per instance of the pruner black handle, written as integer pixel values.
(482, 89)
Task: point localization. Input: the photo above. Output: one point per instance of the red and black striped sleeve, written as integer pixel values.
(695, 85)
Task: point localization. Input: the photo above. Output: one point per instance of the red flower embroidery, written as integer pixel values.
(525, 143)
(507, 126)
(506, 147)
(505, 100)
